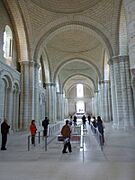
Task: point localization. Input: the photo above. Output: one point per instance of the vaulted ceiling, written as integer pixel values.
(75, 34)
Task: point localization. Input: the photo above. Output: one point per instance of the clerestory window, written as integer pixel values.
(7, 42)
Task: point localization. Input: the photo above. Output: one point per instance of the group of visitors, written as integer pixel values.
(97, 123)
(33, 129)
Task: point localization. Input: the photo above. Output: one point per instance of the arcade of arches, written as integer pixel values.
(47, 48)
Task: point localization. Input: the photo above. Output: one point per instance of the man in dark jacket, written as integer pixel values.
(4, 131)
(45, 123)
(66, 133)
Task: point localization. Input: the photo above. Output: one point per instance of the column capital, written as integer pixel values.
(32, 63)
(50, 84)
(61, 92)
(24, 63)
(96, 91)
(117, 59)
(103, 81)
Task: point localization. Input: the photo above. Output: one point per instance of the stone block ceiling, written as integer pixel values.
(66, 6)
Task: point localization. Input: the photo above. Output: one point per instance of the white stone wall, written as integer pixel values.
(9, 95)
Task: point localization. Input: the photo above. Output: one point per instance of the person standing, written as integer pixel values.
(4, 131)
(66, 133)
(45, 124)
(33, 131)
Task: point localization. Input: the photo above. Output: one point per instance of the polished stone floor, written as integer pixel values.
(87, 161)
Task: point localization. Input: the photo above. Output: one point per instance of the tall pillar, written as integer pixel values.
(113, 94)
(122, 103)
(51, 101)
(29, 97)
(110, 103)
(54, 103)
(60, 106)
(104, 100)
(93, 105)
(31, 91)
(35, 87)
(97, 110)
(66, 114)
(24, 96)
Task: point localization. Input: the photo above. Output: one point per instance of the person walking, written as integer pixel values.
(4, 131)
(45, 124)
(100, 127)
(84, 121)
(89, 118)
(33, 131)
(66, 133)
(75, 120)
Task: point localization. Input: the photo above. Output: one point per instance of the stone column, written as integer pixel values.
(54, 103)
(35, 88)
(104, 101)
(14, 118)
(66, 108)
(97, 111)
(109, 103)
(113, 94)
(60, 106)
(101, 100)
(127, 96)
(93, 105)
(122, 102)
(31, 90)
(24, 96)
(50, 101)
(10, 105)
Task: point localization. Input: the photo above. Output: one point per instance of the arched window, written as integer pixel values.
(106, 66)
(7, 43)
